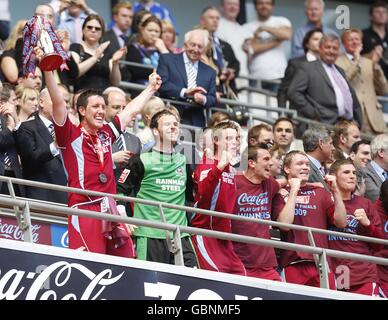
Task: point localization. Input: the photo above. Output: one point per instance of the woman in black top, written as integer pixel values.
(145, 50)
(10, 60)
(98, 68)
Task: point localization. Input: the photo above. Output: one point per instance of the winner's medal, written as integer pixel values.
(102, 177)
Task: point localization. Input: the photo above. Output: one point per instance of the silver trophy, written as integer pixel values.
(51, 60)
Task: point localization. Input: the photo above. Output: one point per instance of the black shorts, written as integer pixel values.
(156, 250)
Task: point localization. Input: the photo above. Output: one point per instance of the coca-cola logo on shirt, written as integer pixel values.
(252, 200)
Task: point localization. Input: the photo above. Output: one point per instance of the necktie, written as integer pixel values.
(52, 131)
(191, 76)
(385, 175)
(218, 56)
(342, 85)
(323, 170)
(120, 143)
(7, 160)
(125, 39)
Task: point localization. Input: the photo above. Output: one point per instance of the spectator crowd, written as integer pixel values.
(77, 127)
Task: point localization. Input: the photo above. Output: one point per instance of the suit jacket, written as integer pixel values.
(312, 94)
(316, 176)
(367, 81)
(233, 63)
(132, 143)
(172, 70)
(114, 42)
(292, 67)
(8, 145)
(38, 163)
(372, 182)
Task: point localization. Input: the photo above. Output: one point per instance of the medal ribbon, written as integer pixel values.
(98, 146)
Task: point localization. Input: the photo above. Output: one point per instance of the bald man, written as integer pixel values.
(186, 78)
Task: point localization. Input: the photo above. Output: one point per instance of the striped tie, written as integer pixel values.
(52, 131)
(7, 161)
(191, 76)
(120, 143)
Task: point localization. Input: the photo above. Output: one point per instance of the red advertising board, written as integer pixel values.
(9, 229)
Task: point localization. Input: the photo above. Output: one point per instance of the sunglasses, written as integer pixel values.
(93, 28)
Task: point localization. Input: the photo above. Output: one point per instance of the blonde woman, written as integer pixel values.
(9, 63)
(169, 37)
(27, 102)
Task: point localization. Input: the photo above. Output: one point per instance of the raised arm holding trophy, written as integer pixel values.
(94, 169)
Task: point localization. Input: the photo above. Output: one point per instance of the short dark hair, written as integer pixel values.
(357, 145)
(83, 99)
(252, 150)
(281, 119)
(377, 4)
(273, 2)
(334, 168)
(308, 36)
(154, 123)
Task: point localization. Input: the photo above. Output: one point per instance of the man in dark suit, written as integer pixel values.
(39, 153)
(318, 145)
(311, 53)
(127, 144)
(376, 171)
(186, 78)
(223, 54)
(320, 91)
(118, 36)
(9, 161)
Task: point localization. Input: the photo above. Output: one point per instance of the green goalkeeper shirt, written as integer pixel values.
(160, 177)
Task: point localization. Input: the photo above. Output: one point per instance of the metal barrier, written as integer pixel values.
(175, 246)
(281, 111)
(257, 89)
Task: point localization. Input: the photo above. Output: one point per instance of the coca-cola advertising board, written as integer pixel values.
(42, 233)
(9, 229)
(39, 272)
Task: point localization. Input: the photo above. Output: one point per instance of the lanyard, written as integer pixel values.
(97, 146)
